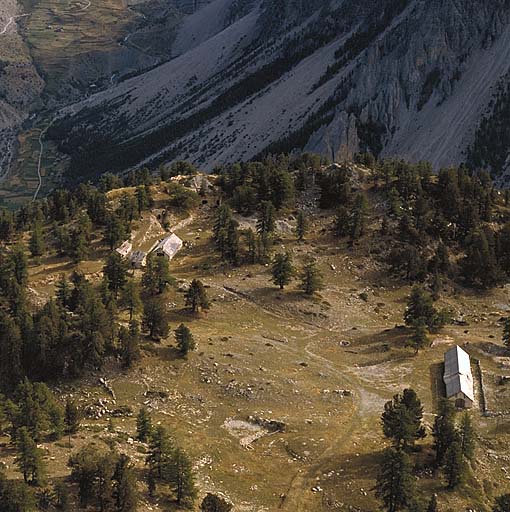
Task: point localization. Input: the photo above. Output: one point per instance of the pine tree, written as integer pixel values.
(124, 486)
(282, 270)
(159, 458)
(467, 437)
(251, 243)
(432, 506)
(130, 298)
(184, 340)
(311, 278)
(402, 419)
(37, 245)
(72, 418)
(342, 222)
(443, 430)
(115, 231)
(62, 497)
(419, 338)
(29, 459)
(359, 217)
(155, 319)
(506, 333)
(502, 503)
(156, 276)
(455, 465)
(266, 221)
(214, 503)
(115, 270)
(395, 482)
(63, 292)
(196, 296)
(16, 496)
(181, 479)
(130, 344)
(301, 226)
(143, 425)
(78, 246)
(420, 310)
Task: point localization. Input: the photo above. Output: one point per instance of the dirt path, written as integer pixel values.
(39, 161)
(299, 494)
(10, 22)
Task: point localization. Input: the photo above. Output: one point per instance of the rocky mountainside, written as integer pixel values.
(408, 78)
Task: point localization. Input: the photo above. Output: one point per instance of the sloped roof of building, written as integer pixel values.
(125, 248)
(170, 245)
(457, 373)
(137, 256)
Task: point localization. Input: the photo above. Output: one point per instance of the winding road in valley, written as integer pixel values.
(39, 160)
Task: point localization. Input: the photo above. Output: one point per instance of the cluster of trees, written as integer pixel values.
(167, 464)
(423, 317)
(106, 481)
(283, 272)
(402, 424)
(456, 211)
(29, 416)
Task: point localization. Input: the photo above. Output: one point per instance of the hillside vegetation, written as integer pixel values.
(288, 358)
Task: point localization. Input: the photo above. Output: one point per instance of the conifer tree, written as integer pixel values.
(196, 296)
(432, 506)
(311, 278)
(116, 269)
(301, 226)
(143, 425)
(16, 496)
(419, 338)
(63, 292)
(395, 485)
(72, 418)
(443, 430)
(29, 458)
(282, 270)
(251, 243)
(37, 245)
(502, 503)
(130, 344)
(156, 276)
(455, 465)
(359, 217)
(467, 436)
(214, 503)
(342, 222)
(62, 497)
(161, 449)
(402, 419)
(506, 333)
(155, 319)
(181, 479)
(115, 231)
(130, 298)
(184, 339)
(124, 491)
(266, 222)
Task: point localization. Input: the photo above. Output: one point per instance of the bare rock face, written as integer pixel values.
(411, 79)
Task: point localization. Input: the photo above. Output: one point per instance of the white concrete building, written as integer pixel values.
(169, 246)
(125, 249)
(458, 377)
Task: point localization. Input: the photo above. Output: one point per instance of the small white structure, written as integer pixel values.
(458, 377)
(138, 259)
(169, 246)
(125, 249)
